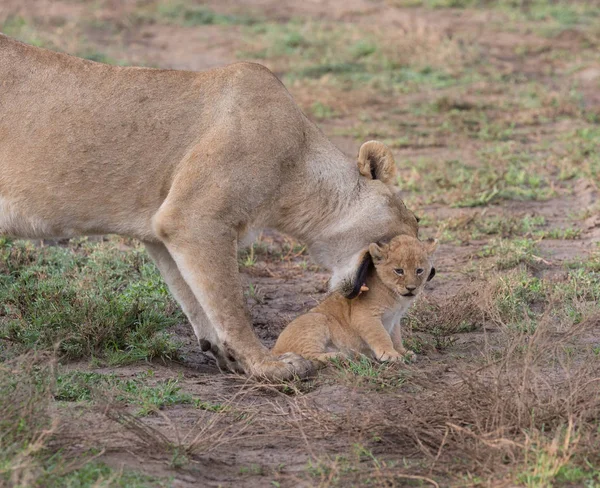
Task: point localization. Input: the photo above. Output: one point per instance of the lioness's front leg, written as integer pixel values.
(205, 252)
(191, 308)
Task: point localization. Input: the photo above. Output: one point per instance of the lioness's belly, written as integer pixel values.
(16, 222)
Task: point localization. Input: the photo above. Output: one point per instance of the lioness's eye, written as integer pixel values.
(420, 271)
(399, 271)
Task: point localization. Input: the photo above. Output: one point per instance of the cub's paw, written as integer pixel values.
(285, 367)
(389, 357)
(409, 356)
(323, 360)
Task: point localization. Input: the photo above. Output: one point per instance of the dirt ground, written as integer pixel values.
(506, 135)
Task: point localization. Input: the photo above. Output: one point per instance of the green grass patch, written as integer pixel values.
(348, 56)
(591, 264)
(83, 386)
(27, 388)
(93, 54)
(568, 233)
(503, 173)
(23, 30)
(25, 392)
(508, 254)
(95, 474)
(78, 386)
(89, 299)
(555, 13)
(519, 299)
(581, 159)
(364, 371)
(28, 31)
(322, 111)
(188, 15)
(587, 475)
(508, 226)
(516, 300)
(523, 300)
(467, 227)
(549, 462)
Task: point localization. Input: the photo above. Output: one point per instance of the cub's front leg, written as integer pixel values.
(396, 336)
(372, 331)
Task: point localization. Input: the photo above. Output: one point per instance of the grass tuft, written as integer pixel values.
(91, 300)
(366, 372)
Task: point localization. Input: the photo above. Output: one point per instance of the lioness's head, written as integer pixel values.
(376, 213)
(404, 264)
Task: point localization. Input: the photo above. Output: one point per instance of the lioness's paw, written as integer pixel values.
(225, 362)
(389, 356)
(284, 367)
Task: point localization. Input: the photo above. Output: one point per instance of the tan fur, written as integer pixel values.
(188, 163)
(375, 151)
(369, 324)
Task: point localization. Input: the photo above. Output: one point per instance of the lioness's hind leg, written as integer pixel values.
(183, 294)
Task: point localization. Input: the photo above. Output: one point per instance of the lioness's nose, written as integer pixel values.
(411, 287)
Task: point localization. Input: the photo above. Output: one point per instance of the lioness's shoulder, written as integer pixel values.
(251, 75)
(249, 68)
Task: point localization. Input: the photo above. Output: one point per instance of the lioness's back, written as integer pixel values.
(95, 148)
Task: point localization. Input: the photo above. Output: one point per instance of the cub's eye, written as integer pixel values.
(399, 271)
(420, 271)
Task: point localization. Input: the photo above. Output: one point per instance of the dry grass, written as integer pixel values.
(26, 425)
(533, 396)
(472, 307)
(237, 418)
(526, 412)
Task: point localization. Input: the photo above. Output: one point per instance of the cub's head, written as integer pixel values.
(404, 264)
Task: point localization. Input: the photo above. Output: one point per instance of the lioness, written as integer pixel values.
(188, 163)
(369, 324)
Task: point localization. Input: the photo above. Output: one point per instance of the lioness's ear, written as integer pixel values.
(361, 276)
(375, 252)
(375, 161)
(431, 274)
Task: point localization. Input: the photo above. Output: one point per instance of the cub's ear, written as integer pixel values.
(360, 277)
(431, 274)
(375, 161)
(431, 245)
(376, 252)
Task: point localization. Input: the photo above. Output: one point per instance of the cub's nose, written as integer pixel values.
(411, 287)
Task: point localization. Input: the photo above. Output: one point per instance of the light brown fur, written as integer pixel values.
(188, 163)
(369, 324)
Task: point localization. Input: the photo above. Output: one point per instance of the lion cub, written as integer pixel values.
(370, 323)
